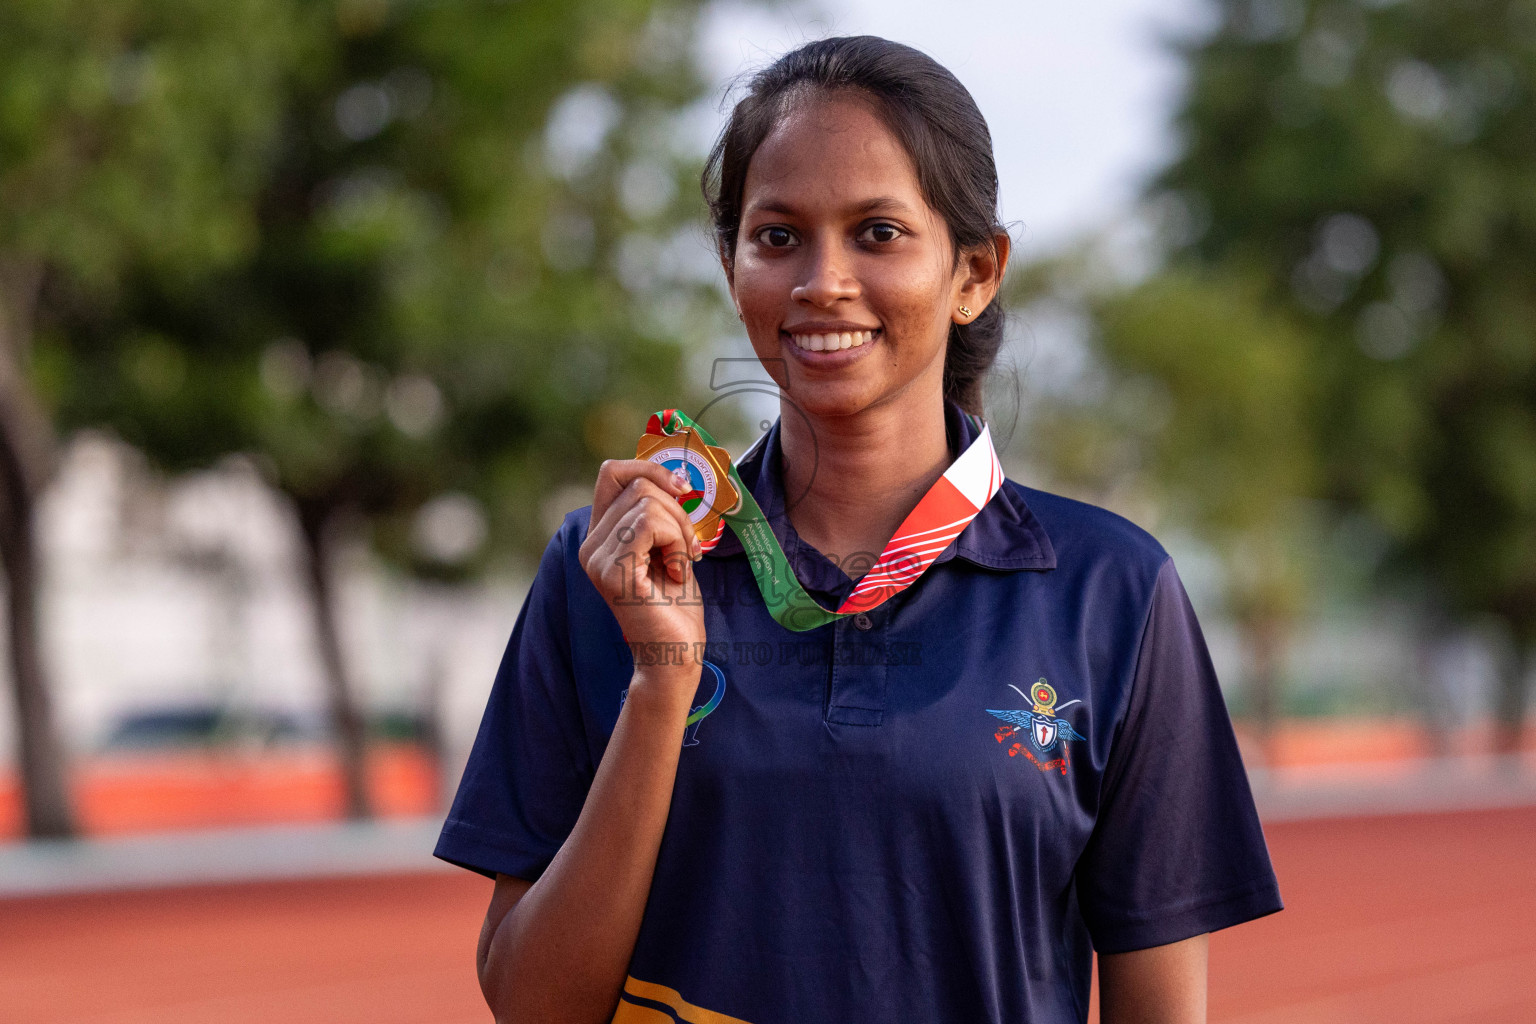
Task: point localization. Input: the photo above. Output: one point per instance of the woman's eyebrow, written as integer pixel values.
(882, 204)
(875, 204)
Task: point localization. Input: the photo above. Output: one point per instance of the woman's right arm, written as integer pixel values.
(558, 949)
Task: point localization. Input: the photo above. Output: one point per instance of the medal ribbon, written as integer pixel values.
(947, 509)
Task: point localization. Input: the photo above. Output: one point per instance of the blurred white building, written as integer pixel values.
(185, 593)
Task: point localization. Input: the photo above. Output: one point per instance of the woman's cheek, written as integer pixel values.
(912, 310)
(763, 289)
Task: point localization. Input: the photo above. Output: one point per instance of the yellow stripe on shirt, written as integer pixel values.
(629, 1013)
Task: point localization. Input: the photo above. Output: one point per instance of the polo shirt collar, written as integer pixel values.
(1005, 535)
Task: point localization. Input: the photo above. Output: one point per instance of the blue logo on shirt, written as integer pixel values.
(698, 714)
(1045, 728)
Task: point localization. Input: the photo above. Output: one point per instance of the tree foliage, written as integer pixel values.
(1368, 170)
(1376, 163)
(426, 262)
(470, 271)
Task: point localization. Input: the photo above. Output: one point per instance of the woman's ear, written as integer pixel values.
(980, 276)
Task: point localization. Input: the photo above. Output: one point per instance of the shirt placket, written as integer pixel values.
(857, 674)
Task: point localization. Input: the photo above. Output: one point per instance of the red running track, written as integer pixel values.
(1410, 920)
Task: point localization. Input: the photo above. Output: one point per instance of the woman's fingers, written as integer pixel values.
(641, 485)
(658, 537)
(645, 534)
(614, 475)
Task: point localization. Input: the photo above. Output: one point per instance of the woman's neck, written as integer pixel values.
(854, 481)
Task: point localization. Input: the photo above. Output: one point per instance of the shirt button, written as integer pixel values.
(862, 620)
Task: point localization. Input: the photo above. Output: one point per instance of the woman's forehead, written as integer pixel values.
(832, 154)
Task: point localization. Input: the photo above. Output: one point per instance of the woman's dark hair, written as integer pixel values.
(936, 121)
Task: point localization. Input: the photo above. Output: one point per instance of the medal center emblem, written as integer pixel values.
(700, 497)
(704, 470)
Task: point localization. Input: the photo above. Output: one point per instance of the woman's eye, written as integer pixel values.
(882, 232)
(776, 238)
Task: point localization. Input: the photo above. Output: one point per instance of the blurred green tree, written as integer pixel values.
(1232, 447)
(131, 133)
(1375, 163)
(1373, 166)
(475, 269)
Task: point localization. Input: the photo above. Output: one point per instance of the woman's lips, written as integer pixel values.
(832, 341)
(831, 349)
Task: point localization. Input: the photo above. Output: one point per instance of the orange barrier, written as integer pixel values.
(162, 791)
(1307, 742)
(158, 791)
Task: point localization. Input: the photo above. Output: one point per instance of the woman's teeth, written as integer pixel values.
(832, 342)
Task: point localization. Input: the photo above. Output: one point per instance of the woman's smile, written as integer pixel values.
(829, 345)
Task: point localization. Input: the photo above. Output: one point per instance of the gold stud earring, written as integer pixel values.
(965, 311)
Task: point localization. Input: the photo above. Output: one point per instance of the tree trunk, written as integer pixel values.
(26, 458)
(433, 734)
(1265, 640)
(42, 755)
(1509, 709)
(317, 523)
(1436, 705)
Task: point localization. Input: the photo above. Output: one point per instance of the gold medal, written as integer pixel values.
(706, 470)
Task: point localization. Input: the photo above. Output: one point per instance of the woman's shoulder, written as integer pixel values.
(560, 566)
(1090, 536)
(573, 528)
(568, 536)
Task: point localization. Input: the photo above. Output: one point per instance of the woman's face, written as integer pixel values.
(844, 276)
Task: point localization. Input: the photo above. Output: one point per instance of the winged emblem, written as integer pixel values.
(1046, 729)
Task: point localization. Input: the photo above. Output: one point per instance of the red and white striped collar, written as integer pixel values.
(1005, 535)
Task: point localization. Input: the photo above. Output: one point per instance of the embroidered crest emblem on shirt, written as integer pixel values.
(1044, 727)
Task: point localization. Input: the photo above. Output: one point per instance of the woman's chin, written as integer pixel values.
(830, 399)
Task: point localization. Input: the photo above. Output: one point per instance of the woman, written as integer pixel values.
(1013, 752)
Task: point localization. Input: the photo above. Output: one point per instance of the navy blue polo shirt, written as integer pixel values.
(933, 812)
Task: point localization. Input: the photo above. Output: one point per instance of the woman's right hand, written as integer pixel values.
(639, 553)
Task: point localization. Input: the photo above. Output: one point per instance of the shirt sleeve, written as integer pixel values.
(1177, 849)
(530, 768)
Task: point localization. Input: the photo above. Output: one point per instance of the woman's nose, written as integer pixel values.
(828, 278)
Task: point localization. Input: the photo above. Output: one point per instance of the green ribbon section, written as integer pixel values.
(786, 600)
